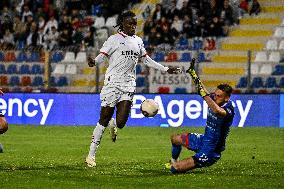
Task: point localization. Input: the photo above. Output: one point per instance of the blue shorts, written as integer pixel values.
(204, 157)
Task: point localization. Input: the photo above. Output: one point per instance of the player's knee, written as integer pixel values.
(120, 123)
(104, 121)
(176, 139)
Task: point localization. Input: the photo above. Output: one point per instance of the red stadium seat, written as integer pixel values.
(171, 57)
(26, 81)
(163, 90)
(3, 80)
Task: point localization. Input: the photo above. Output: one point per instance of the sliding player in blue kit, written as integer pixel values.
(208, 146)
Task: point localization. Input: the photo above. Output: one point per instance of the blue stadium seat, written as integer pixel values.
(140, 82)
(138, 69)
(25, 69)
(271, 82)
(279, 70)
(281, 83)
(22, 57)
(180, 90)
(35, 57)
(159, 57)
(12, 69)
(62, 81)
(2, 56)
(183, 44)
(201, 57)
(185, 57)
(14, 81)
(52, 82)
(36, 69)
(57, 57)
(197, 44)
(2, 69)
(243, 83)
(21, 45)
(37, 81)
(257, 82)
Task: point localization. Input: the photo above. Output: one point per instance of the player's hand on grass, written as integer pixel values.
(173, 70)
(91, 61)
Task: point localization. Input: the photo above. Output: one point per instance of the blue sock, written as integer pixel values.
(173, 170)
(176, 149)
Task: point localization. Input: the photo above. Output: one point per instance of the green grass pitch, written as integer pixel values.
(53, 157)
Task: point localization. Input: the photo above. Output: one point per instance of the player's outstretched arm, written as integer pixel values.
(148, 61)
(203, 92)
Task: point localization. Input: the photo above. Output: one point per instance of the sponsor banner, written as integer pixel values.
(281, 120)
(175, 110)
(172, 81)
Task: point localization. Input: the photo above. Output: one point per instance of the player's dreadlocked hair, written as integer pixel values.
(121, 17)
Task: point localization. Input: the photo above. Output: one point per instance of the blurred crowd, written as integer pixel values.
(53, 23)
(193, 18)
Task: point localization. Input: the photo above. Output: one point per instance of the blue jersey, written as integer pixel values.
(217, 129)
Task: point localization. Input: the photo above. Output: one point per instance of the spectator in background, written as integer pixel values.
(188, 27)
(32, 35)
(155, 38)
(147, 12)
(8, 38)
(244, 6)
(6, 24)
(51, 38)
(167, 36)
(215, 27)
(226, 17)
(65, 38)
(19, 29)
(255, 8)
(158, 13)
(148, 25)
(90, 38)
(41, 22)
(78, 36)
(176, 27)
(65, 24)
(51, 22)
(26, 12)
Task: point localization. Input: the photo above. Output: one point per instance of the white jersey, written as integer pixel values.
(123, 52)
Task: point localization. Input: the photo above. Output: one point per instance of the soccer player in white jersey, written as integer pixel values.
(123, 50)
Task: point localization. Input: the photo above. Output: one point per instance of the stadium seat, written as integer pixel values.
(81, 57)
(254, 69)
(281, 83)
(99, 22)
(2, 56)
(34, 57)
(271, 82)
(201, 57)
(57, 57)
(243, 82)
(281, 45)
(69, 57)
(183, 44)
(159, 57)
(37, 81)
(257, 82)
(102, 33)
(22, 57)
(185, 57)
(12, 69)
(279, 32)
(266, 69)
(71, 69)
(62, 81)
(171, 57)
(59, 69)
(260, 57)
(14, 81)
(274, 57)
(140, 82)
(26, 81)
(271, 44)
(279, 70)
(180, 90)
(163, 90)
(3, 80)
(197, 43)
(25, 69)
(52, 81)
(2, 69)
(36, 69)
(10, 56)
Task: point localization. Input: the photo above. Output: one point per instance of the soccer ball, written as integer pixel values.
(149, 108)
(3, 126)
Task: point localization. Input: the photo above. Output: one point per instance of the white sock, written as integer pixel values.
(96, 140)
